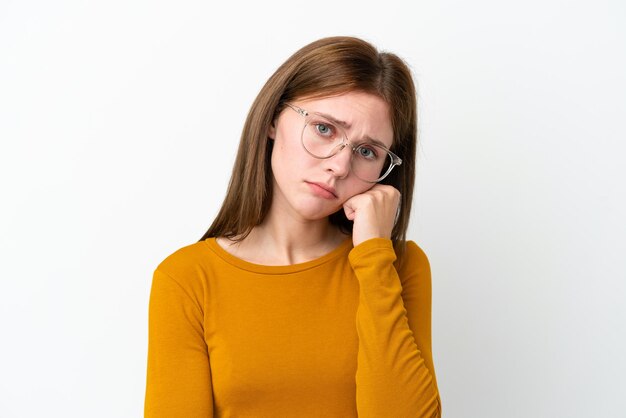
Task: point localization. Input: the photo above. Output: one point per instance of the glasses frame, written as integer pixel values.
(395, 160)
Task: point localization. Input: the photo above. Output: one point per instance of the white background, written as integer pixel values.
(119, 123)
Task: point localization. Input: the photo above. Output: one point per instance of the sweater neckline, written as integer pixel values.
(341, 249)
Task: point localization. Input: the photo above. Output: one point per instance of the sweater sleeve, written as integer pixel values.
(178, 380)
(395, 374)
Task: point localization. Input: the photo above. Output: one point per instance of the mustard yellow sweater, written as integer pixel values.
(344, 335)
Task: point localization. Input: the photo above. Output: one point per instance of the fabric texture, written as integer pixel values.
(344, 335)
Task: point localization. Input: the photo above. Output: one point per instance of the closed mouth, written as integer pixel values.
(325, 187)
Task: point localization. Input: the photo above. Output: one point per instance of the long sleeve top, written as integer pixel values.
(344, 335)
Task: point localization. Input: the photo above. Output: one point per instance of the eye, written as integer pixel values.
(324, 129)
(367, 152)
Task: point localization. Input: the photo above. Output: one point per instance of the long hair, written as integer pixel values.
(326, 67)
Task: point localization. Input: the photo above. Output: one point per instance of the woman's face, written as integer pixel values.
(295, 171)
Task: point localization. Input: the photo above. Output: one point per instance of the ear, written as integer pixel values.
(271, 131)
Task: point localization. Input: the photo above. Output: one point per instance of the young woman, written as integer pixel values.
(304, 299)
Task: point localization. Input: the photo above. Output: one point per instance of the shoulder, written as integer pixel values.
(415, 266)
(416, 254)
(187, 266)
(184, 258)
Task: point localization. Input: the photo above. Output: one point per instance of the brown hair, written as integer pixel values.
(327, 67)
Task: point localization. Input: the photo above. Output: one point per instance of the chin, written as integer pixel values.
(314, 212)
(315, 216)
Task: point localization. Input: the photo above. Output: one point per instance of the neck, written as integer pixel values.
(282, 239)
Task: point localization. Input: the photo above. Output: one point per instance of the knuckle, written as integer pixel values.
(370, 198)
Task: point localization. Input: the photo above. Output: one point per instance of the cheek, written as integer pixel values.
(278, 162)
(355, 187)
(287, 160)
(289, 157)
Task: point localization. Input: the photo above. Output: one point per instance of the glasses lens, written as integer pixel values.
(370, 162)
(321, 137)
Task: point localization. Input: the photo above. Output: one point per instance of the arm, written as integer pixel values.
(395, 374)
(179, 377)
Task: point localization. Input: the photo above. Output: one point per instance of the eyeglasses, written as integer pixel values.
(324, 138)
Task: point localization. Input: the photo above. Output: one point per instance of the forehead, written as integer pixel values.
(362, 114)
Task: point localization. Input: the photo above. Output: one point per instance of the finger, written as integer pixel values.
(349, 212)
(395, 220)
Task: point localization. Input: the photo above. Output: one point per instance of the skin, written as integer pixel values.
(296, 228)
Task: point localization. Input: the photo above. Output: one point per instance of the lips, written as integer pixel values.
(329, 189)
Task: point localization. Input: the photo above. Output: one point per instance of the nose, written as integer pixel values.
(340, 163)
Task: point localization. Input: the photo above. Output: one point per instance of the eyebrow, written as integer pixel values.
(337, 121)
(369, 140)
(346, 125)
